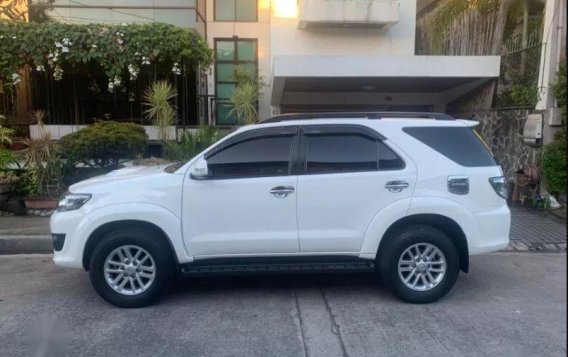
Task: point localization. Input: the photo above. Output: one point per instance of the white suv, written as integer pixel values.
(410, 195)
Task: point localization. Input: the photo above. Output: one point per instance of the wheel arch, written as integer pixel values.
(443, 223)
(101, 231)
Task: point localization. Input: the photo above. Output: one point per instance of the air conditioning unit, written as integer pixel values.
(532, 132)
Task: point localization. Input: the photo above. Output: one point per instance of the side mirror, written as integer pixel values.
(199, 170)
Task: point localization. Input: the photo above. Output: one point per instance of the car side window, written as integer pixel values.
(340, 153)
(255, 157)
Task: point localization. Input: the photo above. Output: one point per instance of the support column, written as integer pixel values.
(553, 52)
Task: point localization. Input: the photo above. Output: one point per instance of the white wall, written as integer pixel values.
(398, 39)
(75, 12)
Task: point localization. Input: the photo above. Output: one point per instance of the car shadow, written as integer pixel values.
(275, 282)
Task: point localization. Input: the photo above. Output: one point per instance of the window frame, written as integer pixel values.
(235, 61)
(341, 129)
(287, 131)
(235, 19)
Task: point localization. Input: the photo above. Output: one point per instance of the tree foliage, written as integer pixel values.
(122, 52)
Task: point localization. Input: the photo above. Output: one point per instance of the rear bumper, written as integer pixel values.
(493, 229)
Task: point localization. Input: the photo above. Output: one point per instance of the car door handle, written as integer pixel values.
(281, 191)
(396, 186)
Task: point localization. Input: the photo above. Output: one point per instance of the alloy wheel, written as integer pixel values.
(129, 270)
(422, 266)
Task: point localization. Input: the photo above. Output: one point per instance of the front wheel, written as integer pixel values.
(130, 268)
(419, 264)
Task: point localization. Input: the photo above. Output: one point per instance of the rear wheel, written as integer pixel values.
(131, 268)
(419, 264)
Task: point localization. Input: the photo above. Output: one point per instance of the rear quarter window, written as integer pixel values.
(459, 144)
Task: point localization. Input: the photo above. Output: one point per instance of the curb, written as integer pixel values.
(25, 244)
(518, 246)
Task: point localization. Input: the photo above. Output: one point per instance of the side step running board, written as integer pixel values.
(275, 268)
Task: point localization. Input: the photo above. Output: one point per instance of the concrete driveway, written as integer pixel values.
(510, 304)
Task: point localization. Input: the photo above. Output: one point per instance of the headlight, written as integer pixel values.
(72, 201)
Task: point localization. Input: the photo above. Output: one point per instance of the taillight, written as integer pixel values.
(499, 184)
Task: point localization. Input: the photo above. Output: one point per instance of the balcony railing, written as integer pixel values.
(348, 13)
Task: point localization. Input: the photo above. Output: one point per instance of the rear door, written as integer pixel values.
(348, 173)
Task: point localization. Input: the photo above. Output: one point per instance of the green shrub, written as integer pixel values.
(191, 144)
(554, 155)
(519, 95)
(554, 167)
(103, 144)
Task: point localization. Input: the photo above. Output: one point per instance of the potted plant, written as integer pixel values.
(42, 176)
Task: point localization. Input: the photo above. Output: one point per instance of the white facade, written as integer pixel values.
(552, 54)
(183, 13)
(329, 55)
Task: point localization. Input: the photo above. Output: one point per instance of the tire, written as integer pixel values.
(148, 285)
(401, 247)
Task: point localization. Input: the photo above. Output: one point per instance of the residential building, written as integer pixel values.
(314, 55)
(334, 55)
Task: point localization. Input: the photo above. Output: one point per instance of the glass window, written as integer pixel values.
(247, 50)
(235, 10)
(231, 53)
(257, 157)
(222, 114)
(225, 90)
(246, 10)
(225, 51)
(340, 153)
(225, 72)
(225, 10)
(388, 159)
(459, 144)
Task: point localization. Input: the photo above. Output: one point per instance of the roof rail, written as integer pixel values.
(356, 115)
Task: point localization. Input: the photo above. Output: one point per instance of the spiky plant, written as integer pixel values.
(245, 96)
(191, 143)
(161, 111)
(243, 101)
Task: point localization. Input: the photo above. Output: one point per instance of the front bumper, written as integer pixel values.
(71, 225)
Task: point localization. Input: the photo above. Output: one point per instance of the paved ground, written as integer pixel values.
(510, 304)
(537, 230)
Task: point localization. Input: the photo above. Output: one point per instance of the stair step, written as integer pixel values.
(282, 268)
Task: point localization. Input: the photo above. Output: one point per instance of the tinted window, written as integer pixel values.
(235, 10)
(263, 156)
(347, 153)
(458, 144)
(388, 159)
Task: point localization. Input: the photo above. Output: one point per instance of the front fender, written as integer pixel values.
(147, 212)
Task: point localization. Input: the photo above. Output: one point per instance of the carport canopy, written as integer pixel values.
(367, 81)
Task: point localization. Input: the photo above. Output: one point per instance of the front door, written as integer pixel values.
(248, 204)
(349, 174)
